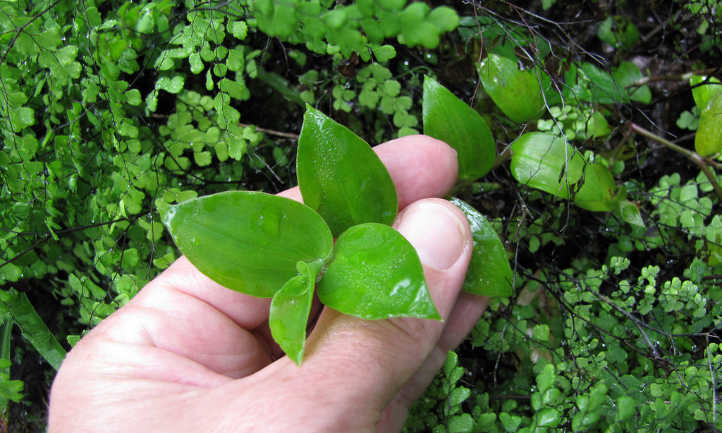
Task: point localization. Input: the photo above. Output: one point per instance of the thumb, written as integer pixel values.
(369, 361)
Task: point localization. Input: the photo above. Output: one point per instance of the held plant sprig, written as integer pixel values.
(270, 246)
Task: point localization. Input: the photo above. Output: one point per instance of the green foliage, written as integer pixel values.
(271, 246)
(290, 307)
(109, 112)
(708, 97)
(376, 274)
(516, 92)
(619, 32)
(341, 177)
(449, 119)
(489, 273)
(356, 27)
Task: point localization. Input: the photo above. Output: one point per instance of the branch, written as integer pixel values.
(290, 135)
(695, 157)
(23, 27)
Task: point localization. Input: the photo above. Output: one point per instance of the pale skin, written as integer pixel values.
(187, 355)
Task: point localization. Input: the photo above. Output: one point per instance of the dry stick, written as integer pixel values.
(694, 156)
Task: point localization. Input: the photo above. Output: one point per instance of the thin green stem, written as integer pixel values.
(694, 156)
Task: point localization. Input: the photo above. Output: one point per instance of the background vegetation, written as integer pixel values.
(109, 110)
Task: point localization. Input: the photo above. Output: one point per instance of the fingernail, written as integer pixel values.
(436, 232)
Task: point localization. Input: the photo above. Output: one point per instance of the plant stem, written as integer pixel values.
(694, 156)
(273, 132)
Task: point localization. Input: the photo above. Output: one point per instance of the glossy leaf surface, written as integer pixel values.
(708, 139)
(489, 273)
(598, 189)
(451, 120)
(32, 326)
(703, 87)
(375, 273)
(248, 241)
(545, 162)
(340, 176)
(290, 307)
(516, 92)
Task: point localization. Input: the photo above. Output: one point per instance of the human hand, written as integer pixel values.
(186, 354)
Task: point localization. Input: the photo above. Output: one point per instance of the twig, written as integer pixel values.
(673, 77)
(62, 232)
(290, 135)
(23, 27)
(657, 29)
(634, 320)
(714, 386)
(696, 158)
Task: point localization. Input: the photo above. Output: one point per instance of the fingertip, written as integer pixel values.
(420, 166)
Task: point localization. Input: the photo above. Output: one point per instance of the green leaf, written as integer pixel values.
(248, 241)
(489, 273)
(203, 159)
(598, 190)
(239, 29)
(546, 378)
(32, 326)
(171, 85)
(629, 213)
(626, 406)
(618, 31)
(544, 162)
(145, 22)
(415, 29)
(516, 92)
(384, 53)
(133, 97)
(547, 4)
(445, 18)
(463, 423)
(626, 75)
(509, 422)
(375, 273)
(597, 126)
(340, 175)
(458, 396)
(708, 139)
(548, 417)
(196, 63)
(21, 118)
(703, 87)
(602, 87)
(290, 307)
(449, 119)
(235, 61)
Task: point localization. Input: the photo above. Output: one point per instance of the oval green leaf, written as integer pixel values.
(598, 190)
(708, 139)
(248, 241)
(375, 273)
(290, 307)
(703, 88)
(451, 120)
(340, 175)
(627, 74)
(517, 93)
(489, 273)
(544, 162)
